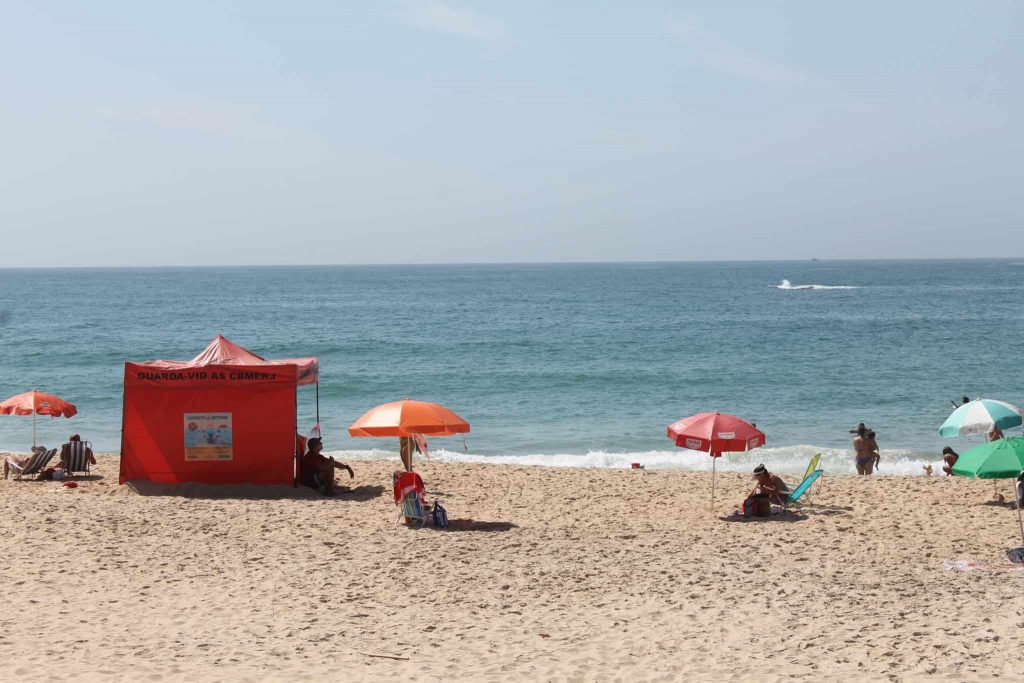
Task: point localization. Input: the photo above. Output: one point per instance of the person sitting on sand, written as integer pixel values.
(317, 471)
(995, 433)
(949, 457)
(770, 485)
(862, 446)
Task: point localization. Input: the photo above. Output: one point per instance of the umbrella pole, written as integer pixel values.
(713, 473)
(318, 400)
(33, 429)
(1020, 522)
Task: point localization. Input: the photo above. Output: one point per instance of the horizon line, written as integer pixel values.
(516, 263)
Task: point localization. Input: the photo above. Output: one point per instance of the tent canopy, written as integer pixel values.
(227, 416)
(223, 351)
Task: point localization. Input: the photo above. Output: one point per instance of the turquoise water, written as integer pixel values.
(552, 364)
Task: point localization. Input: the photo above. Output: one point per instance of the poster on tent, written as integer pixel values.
(207, 437)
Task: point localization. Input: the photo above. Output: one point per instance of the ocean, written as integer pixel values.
(552, 364)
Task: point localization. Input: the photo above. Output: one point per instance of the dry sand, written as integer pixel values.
(546, 574)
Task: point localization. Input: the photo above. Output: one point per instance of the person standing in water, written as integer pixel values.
(863, 450)
(874, 449)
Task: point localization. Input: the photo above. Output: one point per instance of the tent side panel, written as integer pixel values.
(255, 445)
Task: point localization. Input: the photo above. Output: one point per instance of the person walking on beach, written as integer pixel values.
(863, 450)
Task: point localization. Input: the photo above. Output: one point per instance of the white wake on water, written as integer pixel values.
(790, 460)
(786, 284)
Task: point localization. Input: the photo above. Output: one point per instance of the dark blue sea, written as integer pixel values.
(567, 364)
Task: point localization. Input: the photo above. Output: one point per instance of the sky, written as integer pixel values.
(248, 133)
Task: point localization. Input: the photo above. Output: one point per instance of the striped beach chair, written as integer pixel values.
(409, 495)
(39, 460)
(74, 456)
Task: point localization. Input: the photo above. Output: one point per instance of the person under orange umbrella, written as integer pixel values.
(37, 403)
(407, 419)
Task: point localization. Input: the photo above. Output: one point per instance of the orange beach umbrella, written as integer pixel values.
(407, 419)
(37, 403)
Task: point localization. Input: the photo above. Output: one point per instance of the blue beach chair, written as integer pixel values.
(801, 490)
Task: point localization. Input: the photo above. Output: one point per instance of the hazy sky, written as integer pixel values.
(146, 133)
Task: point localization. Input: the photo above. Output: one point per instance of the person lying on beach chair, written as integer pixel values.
(23, 466)
(76, 455)
(317, 471)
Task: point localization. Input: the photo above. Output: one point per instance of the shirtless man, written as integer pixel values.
(863, 447)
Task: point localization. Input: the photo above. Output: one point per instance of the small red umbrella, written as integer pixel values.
(715, 433)
(37, 403)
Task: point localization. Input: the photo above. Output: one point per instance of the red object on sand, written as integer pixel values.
(715, 433)
(71, 484)
(227, 416)
(38, 403)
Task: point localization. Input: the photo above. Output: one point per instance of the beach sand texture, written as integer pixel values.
(546, 574)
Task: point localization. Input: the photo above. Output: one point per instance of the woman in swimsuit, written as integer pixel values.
(865, 454)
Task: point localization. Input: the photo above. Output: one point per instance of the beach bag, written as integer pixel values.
(440, 516)
(748, 507)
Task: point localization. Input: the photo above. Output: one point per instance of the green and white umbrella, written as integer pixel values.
(980, 416)
(999, 459)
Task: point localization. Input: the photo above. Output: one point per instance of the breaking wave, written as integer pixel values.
(786, 284)
(790, 460)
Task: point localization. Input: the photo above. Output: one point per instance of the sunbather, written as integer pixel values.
(20, 460)
(317, 471)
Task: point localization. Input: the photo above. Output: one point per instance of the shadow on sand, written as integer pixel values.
(801, 515)
(245, 491)
(478, 525)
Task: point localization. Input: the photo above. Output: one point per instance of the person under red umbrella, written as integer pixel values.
(715, 433)
(37, 403)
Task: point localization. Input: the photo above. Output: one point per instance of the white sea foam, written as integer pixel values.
(786, 460)
(786, 284)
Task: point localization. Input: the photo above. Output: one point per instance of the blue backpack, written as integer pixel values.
(440, 516)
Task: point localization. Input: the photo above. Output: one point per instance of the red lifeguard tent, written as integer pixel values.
(227, 416)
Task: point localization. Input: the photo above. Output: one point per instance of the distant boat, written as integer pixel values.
(815, 259)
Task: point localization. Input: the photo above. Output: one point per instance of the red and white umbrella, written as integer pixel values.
(37, 403)
(715, 433)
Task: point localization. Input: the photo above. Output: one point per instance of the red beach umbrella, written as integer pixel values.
(37, 403)
(715, 433)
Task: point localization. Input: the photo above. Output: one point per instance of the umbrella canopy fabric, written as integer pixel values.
(408, 417)
(999, 459)
(37, 403)
(980, 416)
(715, 433)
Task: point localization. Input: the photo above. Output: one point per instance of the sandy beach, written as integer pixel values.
(545, 574)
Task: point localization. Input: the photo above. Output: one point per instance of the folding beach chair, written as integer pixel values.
(39, 460)
(409, 495)
(74, 457)
(801, 490)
